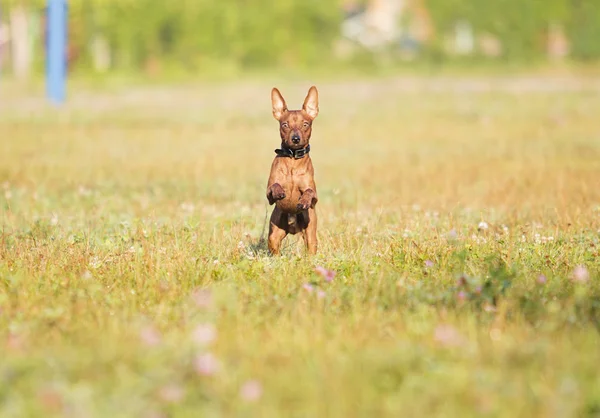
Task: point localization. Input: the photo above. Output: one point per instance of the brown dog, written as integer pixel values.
(291, 185)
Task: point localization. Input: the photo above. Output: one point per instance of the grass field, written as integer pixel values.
(460, 219)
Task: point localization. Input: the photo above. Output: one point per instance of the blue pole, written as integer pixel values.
(56, 55)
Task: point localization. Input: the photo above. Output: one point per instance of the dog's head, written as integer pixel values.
(295, 126)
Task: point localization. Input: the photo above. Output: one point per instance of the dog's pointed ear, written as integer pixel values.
(311, 103)
(279, 106)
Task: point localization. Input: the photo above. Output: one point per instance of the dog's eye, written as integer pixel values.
(306, 124)
(284, 125)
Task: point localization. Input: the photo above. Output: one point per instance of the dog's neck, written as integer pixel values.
(295, 154)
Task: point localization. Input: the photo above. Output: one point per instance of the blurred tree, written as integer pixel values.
(194, 34)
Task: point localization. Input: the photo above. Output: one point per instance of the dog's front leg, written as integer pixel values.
(308, 199)
(275, 192)
(275, 189)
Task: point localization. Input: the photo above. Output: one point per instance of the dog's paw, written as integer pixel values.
(303, 205)
(277, 192)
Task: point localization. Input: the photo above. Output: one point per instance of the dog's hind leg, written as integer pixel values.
(277, 231)
(309, 233)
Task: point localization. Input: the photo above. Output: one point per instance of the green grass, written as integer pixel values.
(134, 221)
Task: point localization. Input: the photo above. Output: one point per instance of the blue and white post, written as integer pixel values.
(56, 53)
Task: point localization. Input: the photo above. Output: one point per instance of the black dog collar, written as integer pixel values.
(295, 154)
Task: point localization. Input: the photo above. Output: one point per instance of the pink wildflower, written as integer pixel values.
(328, 275)
(206, 364)
(447, 335)
(150, 336)
(251, 391)
(581, 274)
(171, 393)
(202, 298)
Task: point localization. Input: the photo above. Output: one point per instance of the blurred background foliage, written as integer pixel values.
(191, 35)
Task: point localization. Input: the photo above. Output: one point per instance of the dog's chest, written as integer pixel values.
(291, 179)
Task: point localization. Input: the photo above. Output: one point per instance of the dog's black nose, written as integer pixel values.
(295, 138)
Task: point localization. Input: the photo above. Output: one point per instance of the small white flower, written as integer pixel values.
(489, 307)
(187, 207)
(204, 334)
(95, 262)
(83, 191)
(171, 393)
(483, 226)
